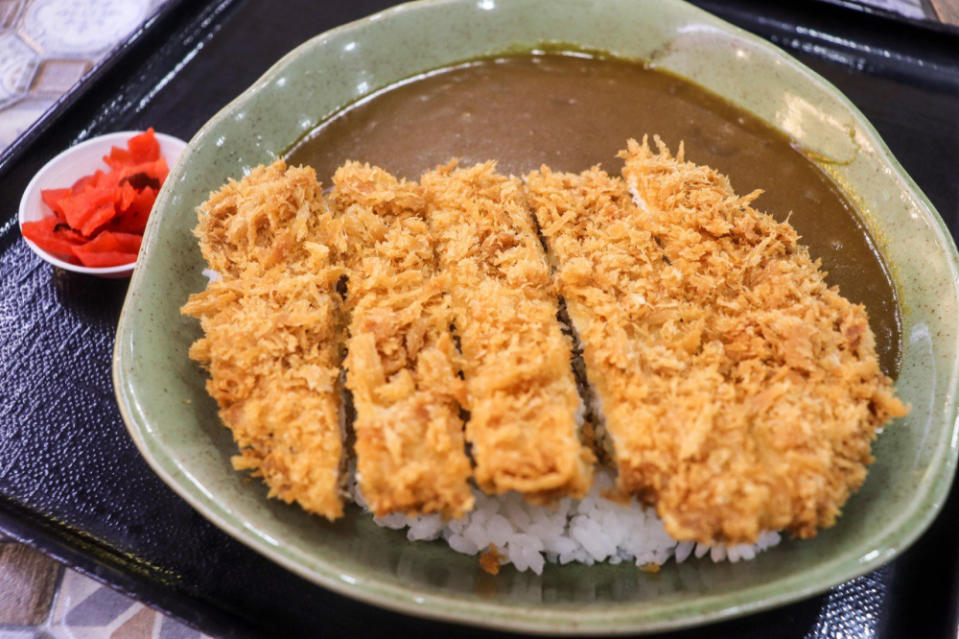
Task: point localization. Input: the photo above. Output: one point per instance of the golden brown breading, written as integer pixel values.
(740, 392)
(402, 362)
(273, 330)
(272, 217)
(522, 396)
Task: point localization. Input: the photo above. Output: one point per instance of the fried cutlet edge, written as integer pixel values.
(272, 326)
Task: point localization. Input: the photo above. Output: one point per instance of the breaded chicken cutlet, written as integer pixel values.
(273, 330)
(522, 396)
(740, 393)
(401, 364)
(734, 390)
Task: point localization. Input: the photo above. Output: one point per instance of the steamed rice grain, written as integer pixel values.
(589, 530)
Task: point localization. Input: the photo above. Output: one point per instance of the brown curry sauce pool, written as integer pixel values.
(573, 111)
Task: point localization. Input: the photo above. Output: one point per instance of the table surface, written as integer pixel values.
(37, 594)
(946, 11)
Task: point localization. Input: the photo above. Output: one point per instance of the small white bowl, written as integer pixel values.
(68, 167)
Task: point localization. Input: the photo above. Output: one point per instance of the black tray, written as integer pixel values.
(73, 484)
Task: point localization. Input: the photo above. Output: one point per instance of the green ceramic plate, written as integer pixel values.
(161, 392)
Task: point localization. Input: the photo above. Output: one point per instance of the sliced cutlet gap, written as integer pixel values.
(522, 399)
(592, 431)
(596, 254)
(740, 393)
(273, 330)
(401, 360)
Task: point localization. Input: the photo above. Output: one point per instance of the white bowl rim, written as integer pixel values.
(106, 139)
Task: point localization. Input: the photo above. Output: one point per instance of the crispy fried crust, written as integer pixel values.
(522, 396)
(740, 391)
(402, 362)
(273, 217)
(273, 330)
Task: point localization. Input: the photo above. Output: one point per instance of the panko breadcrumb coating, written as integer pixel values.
(735, 390)
(273, 217)
(740, 392)
(522, 397)
(401, 362)
(273, 331)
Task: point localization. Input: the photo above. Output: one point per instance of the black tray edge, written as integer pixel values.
(106, 565)
(66, 545)
(869, 9)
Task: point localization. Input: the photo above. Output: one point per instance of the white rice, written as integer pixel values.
(590, 530)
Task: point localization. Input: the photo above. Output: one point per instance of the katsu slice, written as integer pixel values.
(270, 347)
(402, 367)
(740, 392)
(801, 394)
(522, 398)
(274, 217)
(273, 330)
(600, 260)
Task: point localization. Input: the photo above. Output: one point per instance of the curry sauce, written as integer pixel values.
(573, 111)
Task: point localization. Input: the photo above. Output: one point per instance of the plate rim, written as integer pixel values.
(564, 621)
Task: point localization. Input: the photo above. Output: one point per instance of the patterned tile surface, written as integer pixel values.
(46, 46)
(28, 581)
(84, 609)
